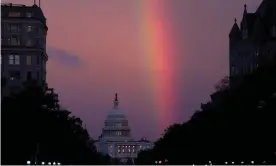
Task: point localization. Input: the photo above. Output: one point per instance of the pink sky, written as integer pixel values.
(99, 43)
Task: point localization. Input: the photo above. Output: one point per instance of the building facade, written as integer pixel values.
(116, 140)
(253, 43)
(23, 44)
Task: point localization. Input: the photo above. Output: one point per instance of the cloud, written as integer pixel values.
(63, 57)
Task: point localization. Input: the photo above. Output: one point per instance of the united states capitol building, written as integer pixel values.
(116, 140)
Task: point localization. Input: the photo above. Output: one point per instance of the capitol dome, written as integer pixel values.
(116, 124)
(115, 139)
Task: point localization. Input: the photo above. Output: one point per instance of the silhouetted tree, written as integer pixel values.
(35, 128)
(223, 84)
(145, 157)
(238, 124)
(129, 161)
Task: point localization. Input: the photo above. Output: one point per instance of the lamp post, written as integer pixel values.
(36, 154)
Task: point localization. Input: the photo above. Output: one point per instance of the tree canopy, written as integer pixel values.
(237, 125)
(35, 128)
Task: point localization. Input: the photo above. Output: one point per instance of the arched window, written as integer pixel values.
(245, 33)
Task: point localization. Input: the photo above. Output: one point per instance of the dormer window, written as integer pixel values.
(14, 14)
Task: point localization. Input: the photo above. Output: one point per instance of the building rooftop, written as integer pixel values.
(12, 4)
(19, 5)
(14, 11)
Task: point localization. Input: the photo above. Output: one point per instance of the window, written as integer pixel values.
(44, 76)
(37, 60)
(40, 43)
(118, 124)
(29, 42)
(14, 75)
(30, 28)
(29, 59)
(14, 14)
(233, 70)
(14, 89)
(37, 75)
(29, 75)
(245, 33)
(14, 59)
(274, 31)
(14, 40)
(14, 28)
(39, 30)
(29, 14)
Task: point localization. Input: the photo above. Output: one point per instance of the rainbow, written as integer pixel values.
(156, 49)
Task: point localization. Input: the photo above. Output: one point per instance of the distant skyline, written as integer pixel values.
(101, 47)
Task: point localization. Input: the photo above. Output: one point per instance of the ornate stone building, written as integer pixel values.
(23, 46)
(253, 43)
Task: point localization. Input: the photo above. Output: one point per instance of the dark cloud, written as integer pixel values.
(63, 57)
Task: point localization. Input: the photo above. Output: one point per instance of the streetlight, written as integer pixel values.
(252, 162)
(242, 162)
(226, 162)
(42, 162)
(28, 162)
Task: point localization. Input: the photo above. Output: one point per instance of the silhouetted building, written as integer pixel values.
(23, 43)
(253, 43)
(116, 140)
